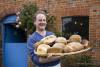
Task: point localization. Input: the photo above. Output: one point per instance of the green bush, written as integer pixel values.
(26, 17)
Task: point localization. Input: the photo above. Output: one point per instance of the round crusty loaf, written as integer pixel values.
(59, 45)
(75, 38)
(49, 39)
(68, 49)
(42, 49)
(73, 46)
(76, 46)
(54, 50)
(85, 43)
(37, 44)
(61, 40)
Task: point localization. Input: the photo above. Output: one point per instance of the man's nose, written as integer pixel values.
(43, 21)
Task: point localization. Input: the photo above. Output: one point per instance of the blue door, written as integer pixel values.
(14, 44)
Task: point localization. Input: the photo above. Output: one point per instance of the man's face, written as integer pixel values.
(40, 22)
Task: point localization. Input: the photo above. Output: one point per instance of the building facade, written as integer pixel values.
(60, 9)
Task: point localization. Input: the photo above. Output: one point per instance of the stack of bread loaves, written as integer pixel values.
(53, 44)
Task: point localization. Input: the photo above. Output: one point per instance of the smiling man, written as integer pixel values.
(40, 24)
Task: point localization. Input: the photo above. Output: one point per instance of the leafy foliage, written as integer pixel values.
(26, 17)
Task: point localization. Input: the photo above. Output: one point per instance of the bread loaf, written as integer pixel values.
(85, 43)
(59, 45)
(61, 40)
(68, 49)
(49, 39)
(75, 38)
(42, 49)
(73, 46)
(54, 50)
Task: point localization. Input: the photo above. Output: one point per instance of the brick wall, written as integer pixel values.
(8, 8)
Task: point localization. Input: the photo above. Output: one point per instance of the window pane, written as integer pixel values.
(76, 25)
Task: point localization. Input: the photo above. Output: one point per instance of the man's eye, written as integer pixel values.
(44, 20)
(40, 20)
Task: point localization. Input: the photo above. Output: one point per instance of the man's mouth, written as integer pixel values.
(42, 24)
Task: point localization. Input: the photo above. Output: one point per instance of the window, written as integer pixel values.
(75, 25)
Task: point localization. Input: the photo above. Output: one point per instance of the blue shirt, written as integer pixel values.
(35, 37)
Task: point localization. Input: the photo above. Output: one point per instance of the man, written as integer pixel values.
(40, 24)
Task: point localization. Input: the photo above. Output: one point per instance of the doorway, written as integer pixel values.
(14, 43)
